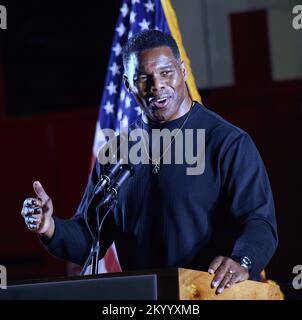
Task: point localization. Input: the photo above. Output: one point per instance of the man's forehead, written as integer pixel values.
(155, 56)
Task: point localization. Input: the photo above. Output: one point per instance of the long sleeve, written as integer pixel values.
(71, 240)
(250, 203)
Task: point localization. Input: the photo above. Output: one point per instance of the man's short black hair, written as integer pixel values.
(148, 39)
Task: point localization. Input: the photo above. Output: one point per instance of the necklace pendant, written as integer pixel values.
(156, 167)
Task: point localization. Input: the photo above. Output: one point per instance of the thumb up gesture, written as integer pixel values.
(37, 212)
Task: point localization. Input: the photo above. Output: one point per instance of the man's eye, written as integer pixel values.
(142, 78)
(165, 73)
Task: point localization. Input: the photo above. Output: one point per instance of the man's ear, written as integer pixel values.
(184, 70)
(127, 84)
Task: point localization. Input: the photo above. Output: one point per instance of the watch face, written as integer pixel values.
(246, 262)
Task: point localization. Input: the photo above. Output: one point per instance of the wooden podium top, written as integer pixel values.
(196, 285)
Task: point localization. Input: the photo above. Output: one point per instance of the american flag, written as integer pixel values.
(118, 108)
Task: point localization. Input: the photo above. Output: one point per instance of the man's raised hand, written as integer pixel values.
(37, 212)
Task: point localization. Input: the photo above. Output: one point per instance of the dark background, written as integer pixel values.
(53, 60)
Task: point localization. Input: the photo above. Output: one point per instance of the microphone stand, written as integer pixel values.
(95, 249)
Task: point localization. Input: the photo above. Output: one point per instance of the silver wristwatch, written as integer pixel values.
(244, 261)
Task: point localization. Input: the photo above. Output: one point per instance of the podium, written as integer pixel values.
(166, 284)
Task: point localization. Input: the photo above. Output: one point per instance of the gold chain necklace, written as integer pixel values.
(156, 163)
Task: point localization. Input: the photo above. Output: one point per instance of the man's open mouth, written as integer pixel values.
(159, 102)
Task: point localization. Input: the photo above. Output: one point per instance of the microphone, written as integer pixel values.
(126, 172)
(107, 176)
(113, 147)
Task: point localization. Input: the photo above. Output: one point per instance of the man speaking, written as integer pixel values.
(221, 220)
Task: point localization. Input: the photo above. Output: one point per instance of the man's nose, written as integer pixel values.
(156, 84)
